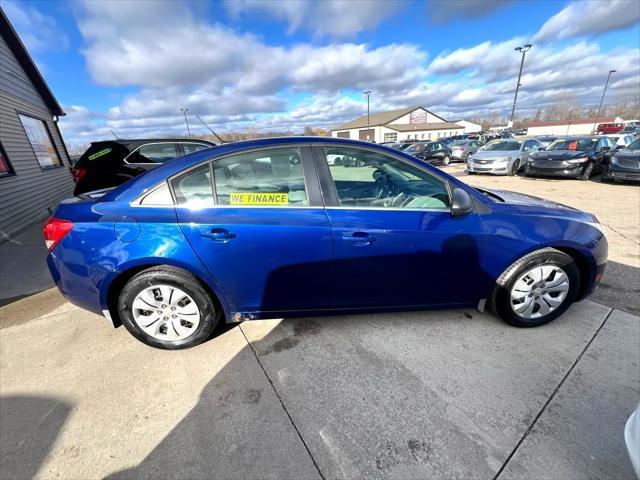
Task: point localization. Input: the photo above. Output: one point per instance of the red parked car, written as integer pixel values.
(605, 128)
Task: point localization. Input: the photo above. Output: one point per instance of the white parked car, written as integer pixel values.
(632, 439)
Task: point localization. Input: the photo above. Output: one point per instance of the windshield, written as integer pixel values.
(502, 146)
(580, 144)
(634, 145)
(459, 142)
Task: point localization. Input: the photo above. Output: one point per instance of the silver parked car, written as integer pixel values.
(504, 156)
(461, 149)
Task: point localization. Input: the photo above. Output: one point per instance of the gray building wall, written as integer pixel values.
(27, 196)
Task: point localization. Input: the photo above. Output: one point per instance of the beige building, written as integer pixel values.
(577, 126)
(469, 127)
(407, 123)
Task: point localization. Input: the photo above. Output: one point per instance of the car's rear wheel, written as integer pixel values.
(167, 308)
(537, 289)
(446, 160)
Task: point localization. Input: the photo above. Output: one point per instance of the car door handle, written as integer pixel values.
(358, 238)
(221, 235)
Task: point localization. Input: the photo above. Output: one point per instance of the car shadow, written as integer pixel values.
(620, 287)
(29, 427)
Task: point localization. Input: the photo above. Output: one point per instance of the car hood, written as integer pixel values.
(515, 198)
(559, 155)
(493, 154)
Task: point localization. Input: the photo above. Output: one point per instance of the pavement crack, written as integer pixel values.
(284, 407)
(551, 397)
(621, 234)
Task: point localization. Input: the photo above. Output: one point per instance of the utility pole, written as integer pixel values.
(184, 112)
(602, 99)
(524, 50)
(368, 94)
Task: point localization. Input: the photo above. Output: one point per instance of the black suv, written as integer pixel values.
(112, 162)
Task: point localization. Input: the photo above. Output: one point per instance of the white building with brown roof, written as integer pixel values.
(576, 126)
(407, 123)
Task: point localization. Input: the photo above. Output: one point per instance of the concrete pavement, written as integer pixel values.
(412, 395)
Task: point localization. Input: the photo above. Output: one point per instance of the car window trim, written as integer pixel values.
(124, 160)
(330, 195)
(309, 173)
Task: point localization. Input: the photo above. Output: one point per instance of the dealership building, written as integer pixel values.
(408, 123)
(34, 163)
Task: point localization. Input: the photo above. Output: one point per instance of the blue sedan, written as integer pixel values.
(285, 227)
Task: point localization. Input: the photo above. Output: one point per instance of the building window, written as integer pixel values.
(41, 141)
(5, 166)
(390, 137)
(366, 135)
(346, 134)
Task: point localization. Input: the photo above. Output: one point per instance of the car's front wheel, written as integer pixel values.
(537, 289)
(586, 175)
(515, 168)
(167, 308)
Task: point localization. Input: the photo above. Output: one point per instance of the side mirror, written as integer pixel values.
(462, 203)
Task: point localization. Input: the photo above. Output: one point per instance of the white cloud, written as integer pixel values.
(235, 80)
(443, 10)
(334, 18)
(582, 18)
(37, 31)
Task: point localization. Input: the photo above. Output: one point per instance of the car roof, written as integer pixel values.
(151, 178)
(140, 141)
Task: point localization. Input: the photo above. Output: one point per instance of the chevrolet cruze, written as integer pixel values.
(270, 228)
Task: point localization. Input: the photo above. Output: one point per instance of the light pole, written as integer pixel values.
(184, 112)
(602, 99)
(524, 50)
(368, 94)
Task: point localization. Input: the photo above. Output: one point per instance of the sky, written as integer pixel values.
(130, 66)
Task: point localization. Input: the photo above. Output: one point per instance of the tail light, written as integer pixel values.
(55, 230)
(78, 173)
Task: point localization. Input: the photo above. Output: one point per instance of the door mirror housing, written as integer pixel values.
(461, 204)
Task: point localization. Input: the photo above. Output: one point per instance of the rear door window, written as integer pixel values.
(272, 177)
(194, 188)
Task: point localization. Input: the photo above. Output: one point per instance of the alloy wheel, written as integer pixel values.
(539, 291)
(166, 313)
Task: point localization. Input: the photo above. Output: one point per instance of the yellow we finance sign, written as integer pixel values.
(240, 198)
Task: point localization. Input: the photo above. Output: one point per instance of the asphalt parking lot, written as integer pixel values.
(447, 394)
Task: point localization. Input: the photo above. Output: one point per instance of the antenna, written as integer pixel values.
(214, 133)
(114, 134)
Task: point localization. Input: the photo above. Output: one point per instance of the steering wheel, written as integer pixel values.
(383, 187)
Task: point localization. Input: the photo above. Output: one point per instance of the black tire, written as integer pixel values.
(514, 169)
(166, 275)
(548, 256)
(471, 173)
(586, 175)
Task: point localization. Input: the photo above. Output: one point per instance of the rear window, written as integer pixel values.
(101, 153)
